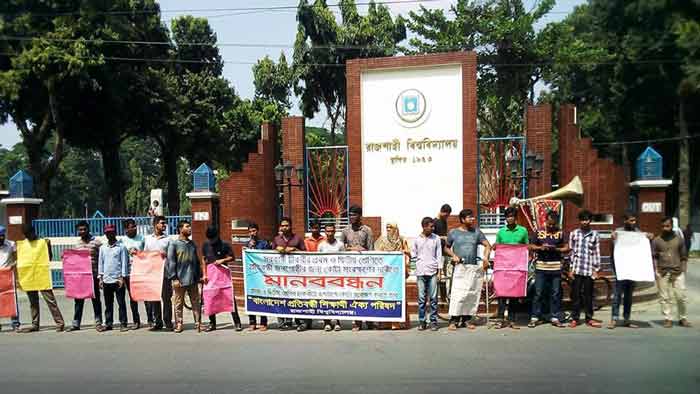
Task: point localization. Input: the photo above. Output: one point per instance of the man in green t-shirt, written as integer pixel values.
(511, 234)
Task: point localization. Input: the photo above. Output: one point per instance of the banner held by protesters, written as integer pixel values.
(146, 279)
(77, 274)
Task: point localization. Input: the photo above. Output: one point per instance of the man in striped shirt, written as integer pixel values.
(585, 264)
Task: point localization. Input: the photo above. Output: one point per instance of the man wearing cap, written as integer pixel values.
(112, 271)
(8, 260)
(89, 242)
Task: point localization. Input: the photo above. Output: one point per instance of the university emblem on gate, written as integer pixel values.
(411, 108)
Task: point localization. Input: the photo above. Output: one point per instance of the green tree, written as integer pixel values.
(323, 45)
(201, 118)
(629, 68)
(42, 66)
(510, 56)
(11, 161)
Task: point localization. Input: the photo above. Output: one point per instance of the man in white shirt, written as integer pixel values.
(160, 315)
(331, 244)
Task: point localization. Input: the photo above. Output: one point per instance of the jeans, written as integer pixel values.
(14, 320)
(136, 317)
(506, 304)
(551, 280)
(162, 312)
(110, 289)
(96, 305)
(582, 284)
(252, 320)
(427, 283)
(623, 293)
(50, 302)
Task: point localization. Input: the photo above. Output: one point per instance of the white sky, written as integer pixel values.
(267, 28)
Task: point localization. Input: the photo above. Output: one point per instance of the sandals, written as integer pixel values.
(629, 324)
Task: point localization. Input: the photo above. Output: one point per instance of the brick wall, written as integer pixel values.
(538, 135)
(355, 68)
(605, 186)
(293, 152)
(249, 194)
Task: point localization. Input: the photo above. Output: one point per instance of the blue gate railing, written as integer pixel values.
(66, 227)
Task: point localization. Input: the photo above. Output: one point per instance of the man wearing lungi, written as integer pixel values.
(467, 277)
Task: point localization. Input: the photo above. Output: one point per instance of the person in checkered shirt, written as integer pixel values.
(585, 264)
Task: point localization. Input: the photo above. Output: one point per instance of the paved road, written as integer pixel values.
(648, 360)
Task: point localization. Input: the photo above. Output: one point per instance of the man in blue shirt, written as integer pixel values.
(112, 271)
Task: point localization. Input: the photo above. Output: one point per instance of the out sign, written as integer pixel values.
(201, 216)
(651, 207)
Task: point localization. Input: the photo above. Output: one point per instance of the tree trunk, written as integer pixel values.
(113, 178)
(683, 168)
(170, 170)
(34, 141)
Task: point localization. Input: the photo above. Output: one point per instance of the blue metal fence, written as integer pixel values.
(66, 227)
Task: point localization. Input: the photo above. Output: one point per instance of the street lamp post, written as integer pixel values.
(284, 177)
(533, 167)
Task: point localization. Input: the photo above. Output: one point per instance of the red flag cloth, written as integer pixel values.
(146, 280)
(77, 274)
(510, 271)
(218, 292)
(8, 293)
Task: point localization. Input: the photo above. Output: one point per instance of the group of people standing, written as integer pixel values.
(433, 250)
(550, 248)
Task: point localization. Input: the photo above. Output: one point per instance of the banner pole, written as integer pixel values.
(487, 301)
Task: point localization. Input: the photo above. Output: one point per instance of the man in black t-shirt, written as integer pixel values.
(440, 223)
(549, 245)
(216, 251)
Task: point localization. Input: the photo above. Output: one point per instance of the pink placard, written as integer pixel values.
(8, 295)
(146, 280)
(510, 271)
(218, 292)
(510, 258)
(77, 274)
(510, 283)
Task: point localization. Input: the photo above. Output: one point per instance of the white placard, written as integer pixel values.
(201, 216)
(15, 220)
(411, 143)
(633, 257)
(651, 207)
